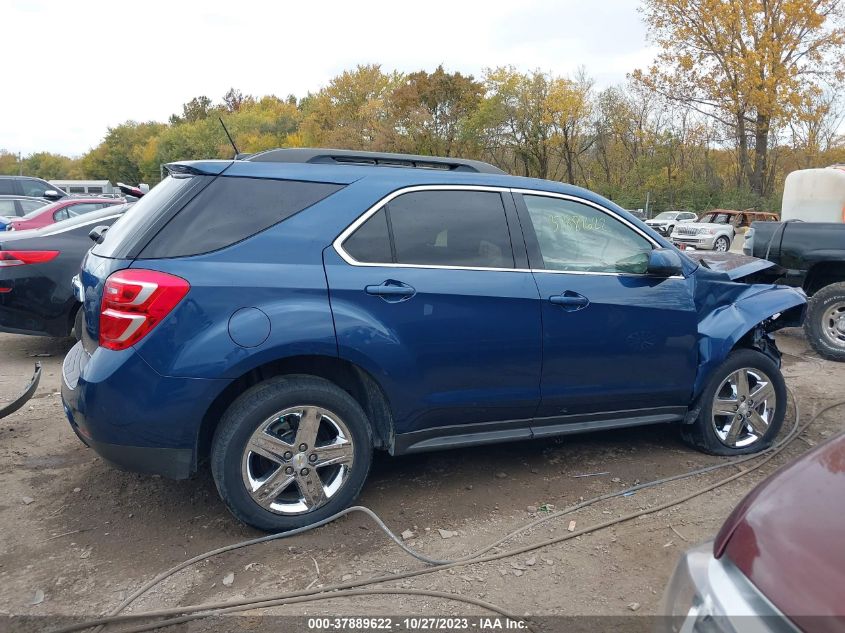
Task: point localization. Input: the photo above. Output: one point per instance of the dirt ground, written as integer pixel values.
(86, 534)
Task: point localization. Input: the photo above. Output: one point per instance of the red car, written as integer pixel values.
(778, 563)
(61, 210)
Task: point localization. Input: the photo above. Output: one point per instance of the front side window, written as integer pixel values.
(436, 228)
(576, 237)
(35, 188)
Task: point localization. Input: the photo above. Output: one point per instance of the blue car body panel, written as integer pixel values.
(471, 349)
(465, 349)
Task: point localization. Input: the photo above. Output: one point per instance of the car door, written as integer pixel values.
(617, 342)
(430, 296)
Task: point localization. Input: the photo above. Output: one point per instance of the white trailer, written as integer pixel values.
(815, 195)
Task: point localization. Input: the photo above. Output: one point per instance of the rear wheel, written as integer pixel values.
(291, 451)
(825, 322)
(722, 244)
(742, 407)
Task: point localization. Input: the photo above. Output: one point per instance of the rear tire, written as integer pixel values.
(262, 472)
(738, 431)
(824, 326)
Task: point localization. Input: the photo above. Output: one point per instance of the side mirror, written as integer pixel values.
(664, 262)
(51, 194)
(98, 233)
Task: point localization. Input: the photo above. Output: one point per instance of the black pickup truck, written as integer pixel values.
(811, 256)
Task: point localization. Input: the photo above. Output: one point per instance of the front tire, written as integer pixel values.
(291, 451)
(742, 408)
(825, 322)
(722, 244)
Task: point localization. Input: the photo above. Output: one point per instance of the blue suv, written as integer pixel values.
(282, 316)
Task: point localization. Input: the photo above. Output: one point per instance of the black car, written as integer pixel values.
(28, 186)
(36, 270)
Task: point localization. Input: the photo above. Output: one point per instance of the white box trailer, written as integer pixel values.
(86, 187)
(815, 195)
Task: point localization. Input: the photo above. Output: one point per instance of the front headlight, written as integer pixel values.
(710, 595)
(686, 593)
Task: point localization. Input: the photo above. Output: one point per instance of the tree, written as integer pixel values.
(119, 156)
(535, 120)
(351, 112)
(748, 64)
(195, 110)
(430, 111)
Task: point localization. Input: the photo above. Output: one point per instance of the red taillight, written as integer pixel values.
(19, 258)
(134, 301)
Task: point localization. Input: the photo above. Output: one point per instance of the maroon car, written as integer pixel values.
(778, 563)
(62, 210)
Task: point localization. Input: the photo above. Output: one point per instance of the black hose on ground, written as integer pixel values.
(340, 590)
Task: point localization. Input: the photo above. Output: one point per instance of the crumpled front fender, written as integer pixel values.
(740, 309)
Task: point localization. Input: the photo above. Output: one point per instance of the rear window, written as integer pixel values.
(231, 209)
(120, 238)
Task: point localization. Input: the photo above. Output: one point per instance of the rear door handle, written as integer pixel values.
(570, 301)
(391, 290)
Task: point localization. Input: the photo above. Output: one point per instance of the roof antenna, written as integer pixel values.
(235, 147)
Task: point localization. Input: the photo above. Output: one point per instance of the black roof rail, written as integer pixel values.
(377, 159)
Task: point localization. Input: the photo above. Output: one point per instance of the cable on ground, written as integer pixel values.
(192, 612)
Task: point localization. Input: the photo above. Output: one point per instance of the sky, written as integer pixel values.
(74, 69)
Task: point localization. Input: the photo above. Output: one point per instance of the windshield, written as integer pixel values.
(41, 210)
(666, 215)
(715, 218)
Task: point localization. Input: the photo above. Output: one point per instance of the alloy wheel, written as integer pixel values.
(833, 324)
(297, 460)
(743, 407)
(721, 245)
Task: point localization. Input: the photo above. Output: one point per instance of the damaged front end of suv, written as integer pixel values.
(739, 306)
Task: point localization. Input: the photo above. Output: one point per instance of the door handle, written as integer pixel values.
(570, 301)
(391, 291)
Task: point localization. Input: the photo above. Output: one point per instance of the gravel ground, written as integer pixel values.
(79, 535)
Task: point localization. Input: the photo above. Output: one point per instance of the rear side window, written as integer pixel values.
(32, 205)
(230, 210)
(7, 186)
(371, 242)
(437, 228)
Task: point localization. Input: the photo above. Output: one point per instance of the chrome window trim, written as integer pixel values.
(349, 230)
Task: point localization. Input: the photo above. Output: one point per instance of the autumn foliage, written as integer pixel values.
(741, 93)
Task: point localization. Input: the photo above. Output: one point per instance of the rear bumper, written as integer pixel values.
(131, 415)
